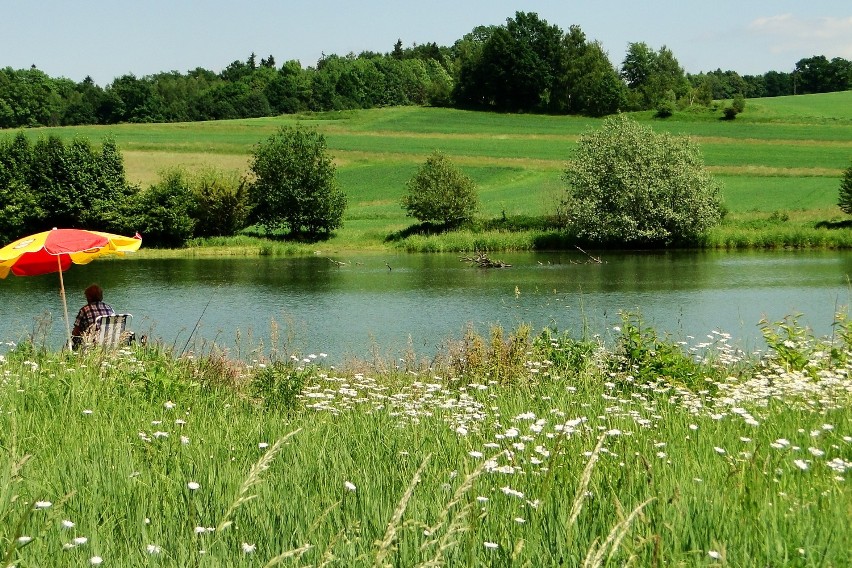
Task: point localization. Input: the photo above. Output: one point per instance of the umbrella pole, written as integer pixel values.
(64, 301)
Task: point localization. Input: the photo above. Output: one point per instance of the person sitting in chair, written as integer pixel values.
(95, 306)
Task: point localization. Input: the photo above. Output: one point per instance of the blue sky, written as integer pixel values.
(106, 39)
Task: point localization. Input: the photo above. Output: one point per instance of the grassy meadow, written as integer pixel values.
(508, 451)
(515, 449)
(779, 164)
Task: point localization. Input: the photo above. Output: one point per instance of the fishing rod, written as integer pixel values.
(197, 323)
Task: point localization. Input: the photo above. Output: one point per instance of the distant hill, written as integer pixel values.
(823, 106)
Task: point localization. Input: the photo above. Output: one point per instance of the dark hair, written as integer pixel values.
(94, 293)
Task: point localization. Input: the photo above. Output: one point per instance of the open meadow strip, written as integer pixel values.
(547, 451)
(781, 158)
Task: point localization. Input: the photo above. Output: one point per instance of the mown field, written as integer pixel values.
(779, 162)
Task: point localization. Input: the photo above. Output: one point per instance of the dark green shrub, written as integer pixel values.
(642, 355)
(163, 212)
(440, 192)
(221, 203)
(279, 385)
(845, 198)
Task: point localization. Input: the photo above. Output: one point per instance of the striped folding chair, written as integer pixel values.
(111, 331)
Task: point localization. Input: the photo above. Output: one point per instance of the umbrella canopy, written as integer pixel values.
(57, 249)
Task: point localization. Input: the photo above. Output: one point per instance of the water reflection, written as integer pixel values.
(344, 310)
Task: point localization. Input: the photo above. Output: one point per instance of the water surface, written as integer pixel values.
(385, 301)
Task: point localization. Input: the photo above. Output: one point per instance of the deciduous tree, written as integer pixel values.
(845, 200)
(627, 184)
(440, 192)
(295, 187)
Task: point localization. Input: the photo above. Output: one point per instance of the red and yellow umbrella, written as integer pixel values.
(57, 249)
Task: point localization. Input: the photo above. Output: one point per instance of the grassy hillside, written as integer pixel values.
(782, 154)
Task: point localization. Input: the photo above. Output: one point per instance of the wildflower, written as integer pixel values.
(249, 548)
(87, 411)
(263, 445)
(475, 454)
(780, 443)
(96, 560)
(66, 524)
(693, 427)
(153, 549)
(193, 485)
(662, 455)
(24, 539)
(714, 554)
(200, 530)
(349, 486)
(169, 405)
(184, 440)
(509, 491)
(482, 499)
(80, 540)
(839, 465)
(801, 464)
(490, 545)
(42, 504)
(719, 450)
(816, 452)
(520, 520)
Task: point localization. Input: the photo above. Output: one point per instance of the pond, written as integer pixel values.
(382, 303)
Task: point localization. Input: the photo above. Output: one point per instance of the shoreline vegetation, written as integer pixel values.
(779, 164)
(517, 448)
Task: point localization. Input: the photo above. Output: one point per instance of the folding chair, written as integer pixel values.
(111, 331)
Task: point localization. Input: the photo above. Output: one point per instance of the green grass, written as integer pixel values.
(773, 193)
(782, 154)
(505, 450)
(830, 107)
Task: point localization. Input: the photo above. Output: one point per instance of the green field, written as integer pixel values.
(782, 154)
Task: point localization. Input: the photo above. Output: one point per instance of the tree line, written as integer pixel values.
(525, 65)
(291, 189)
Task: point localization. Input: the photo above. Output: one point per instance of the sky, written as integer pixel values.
(105, 39)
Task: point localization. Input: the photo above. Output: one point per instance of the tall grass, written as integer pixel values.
(524, 449)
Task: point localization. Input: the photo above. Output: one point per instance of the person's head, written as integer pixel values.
(94, 293)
